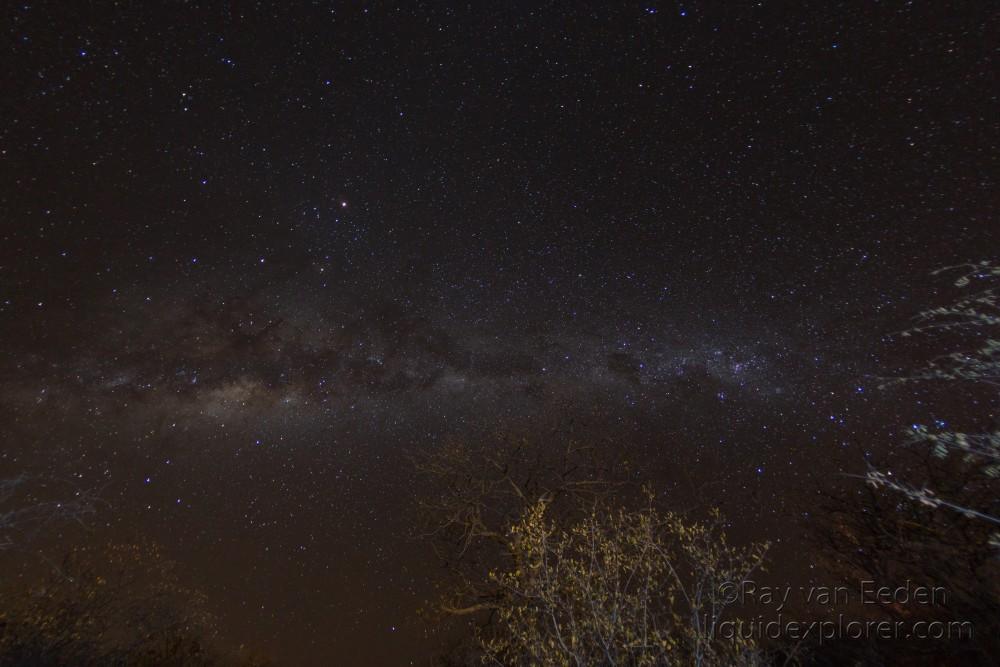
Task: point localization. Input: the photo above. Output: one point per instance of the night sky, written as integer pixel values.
(253, 256)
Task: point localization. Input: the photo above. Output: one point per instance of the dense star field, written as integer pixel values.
(254, 257)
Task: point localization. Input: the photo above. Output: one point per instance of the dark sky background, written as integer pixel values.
(252, 255)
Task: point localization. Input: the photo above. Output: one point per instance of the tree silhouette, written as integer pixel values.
(122, 604)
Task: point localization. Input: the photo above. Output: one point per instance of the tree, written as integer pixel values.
(116, 605)
(618, 587)
(865, 534)
(475, 493)
(937, 525)
(541, 554)
(971, 322)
